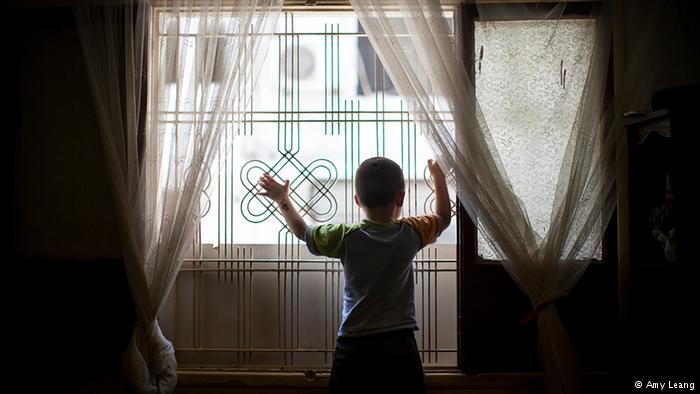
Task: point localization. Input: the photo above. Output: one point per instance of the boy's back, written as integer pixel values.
(377, 263)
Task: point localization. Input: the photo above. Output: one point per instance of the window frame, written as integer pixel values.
(473, 270)
(293, 9)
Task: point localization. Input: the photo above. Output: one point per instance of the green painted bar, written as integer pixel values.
(325, 78)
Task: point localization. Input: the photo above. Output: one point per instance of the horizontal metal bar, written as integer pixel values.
(293, 112)
(186, 269)
(258, 369)
(241, 350)
(257, 270)
(248, 121)
(295, 270)
(225, 260)
(353, 34)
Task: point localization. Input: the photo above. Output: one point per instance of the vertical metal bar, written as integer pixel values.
(284, 296)
(242, 303)
(199, 263)
(376, 104)
(239, 94)
(383, 117)
(337, 41)
(286, 31)
(325, 78)
(298, 98)
(345, 165)
(218, 222)
(422, 300)
(252, 90)
(250, 308)
(290, 242)
(415, 171)
(339, 298)
(435, 316)
(403, 168)
(279, 287)
(279, 149)
(331, 298)
(332, 83)
(358, 150)
(409, 159)
(291, 300)
(177, 91)
(245, 84)
(279, 91)
(352, 171)
(238, 315)
(291, 98)
(429, 312)
(325, 309)
(199, 305)
(298, 304)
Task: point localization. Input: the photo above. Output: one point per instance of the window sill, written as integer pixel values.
(191, 379)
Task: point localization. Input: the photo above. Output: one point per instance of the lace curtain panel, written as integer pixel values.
(158, 183)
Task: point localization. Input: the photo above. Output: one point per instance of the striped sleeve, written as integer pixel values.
(326, 239)
(428, 227)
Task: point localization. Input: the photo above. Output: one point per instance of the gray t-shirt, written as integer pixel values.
(379, 287)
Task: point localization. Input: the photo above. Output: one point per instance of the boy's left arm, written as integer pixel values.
(279, 193)
(443, 207)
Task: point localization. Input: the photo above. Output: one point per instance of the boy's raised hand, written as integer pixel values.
(435, 170)
(442, 197)
(273, 190)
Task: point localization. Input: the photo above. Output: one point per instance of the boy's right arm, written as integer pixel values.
(322, 240)
(279, 193)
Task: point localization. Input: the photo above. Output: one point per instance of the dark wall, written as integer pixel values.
(660, 336)
(74, 306)
(63, 205)
(671, 54)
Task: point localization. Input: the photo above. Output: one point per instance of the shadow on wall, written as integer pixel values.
(74, 324)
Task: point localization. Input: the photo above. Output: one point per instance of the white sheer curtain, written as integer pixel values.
(184, 97)
(413, 41)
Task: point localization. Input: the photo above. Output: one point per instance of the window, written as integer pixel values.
(249, 295)
(523, 70)
(491, 341)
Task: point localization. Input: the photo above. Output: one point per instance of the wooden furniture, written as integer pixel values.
(660, 335)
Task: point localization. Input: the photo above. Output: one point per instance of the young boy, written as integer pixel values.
(376, 350)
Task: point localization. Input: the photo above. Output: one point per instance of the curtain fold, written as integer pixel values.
(190, 76)
(413, 40)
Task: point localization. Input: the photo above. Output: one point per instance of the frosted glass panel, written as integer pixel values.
(524, 71)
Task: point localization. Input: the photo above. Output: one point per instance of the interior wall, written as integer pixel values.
(675, 47)
(72, 315)
(658, 334)
(63, 204)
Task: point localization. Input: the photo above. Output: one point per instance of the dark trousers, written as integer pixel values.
(381, 363)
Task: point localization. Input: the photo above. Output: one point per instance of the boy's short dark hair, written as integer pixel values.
(378, 181)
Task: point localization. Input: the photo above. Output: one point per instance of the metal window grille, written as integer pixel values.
(249, 295)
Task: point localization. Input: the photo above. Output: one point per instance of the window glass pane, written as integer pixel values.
(529, 80)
